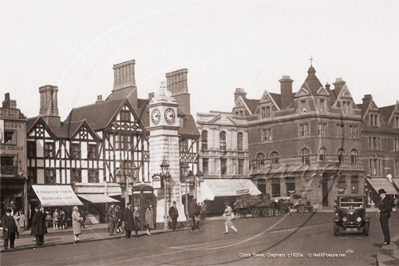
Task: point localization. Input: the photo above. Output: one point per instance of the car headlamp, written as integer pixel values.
(344, 219)
(358, 219)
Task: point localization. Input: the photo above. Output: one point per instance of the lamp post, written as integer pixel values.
(185, 170)
(165, 175)
(124, 180)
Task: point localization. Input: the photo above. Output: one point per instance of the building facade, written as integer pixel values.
(13, 176)
(97, 147)
(305, 142)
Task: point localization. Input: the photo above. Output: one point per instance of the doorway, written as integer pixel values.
(325, 192)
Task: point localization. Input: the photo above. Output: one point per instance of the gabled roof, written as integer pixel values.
(252, 104)
(276, 98)
(97, 115)
(387, 111)
(38, 119)
(312, 84)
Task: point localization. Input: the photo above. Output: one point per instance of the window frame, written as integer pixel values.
(305, 157)
(204, 139)
(222, 140)
(49, 153)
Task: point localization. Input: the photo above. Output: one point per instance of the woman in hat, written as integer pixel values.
(76, 223)
(384, 212)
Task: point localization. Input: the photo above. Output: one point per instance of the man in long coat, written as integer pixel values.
(384, 212)
(173, 213)
(129, 220)
(39, 226)
(9, 229)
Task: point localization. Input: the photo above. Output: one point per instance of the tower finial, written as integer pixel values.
(311, 59)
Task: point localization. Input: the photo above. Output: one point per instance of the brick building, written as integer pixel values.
(13, 176)
(380, 149)
(98, 146)
(305, 141)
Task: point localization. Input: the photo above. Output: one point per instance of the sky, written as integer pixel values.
(224, 45)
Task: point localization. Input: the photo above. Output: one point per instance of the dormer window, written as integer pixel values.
(322, 105)
(374, 120)
(266, 111)
(303, 106)
(346, 107)
(396, 121)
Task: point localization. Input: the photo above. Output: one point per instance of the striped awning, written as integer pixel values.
(378, 183)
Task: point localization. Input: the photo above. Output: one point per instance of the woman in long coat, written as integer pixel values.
(149, 218)
(136, 217)
(129, 220)
(76, 220)
(39, 228)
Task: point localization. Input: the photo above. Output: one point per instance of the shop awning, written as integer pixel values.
(396, 181)
(97, 198)
(212, 188)
(56, 195)
(378, 183)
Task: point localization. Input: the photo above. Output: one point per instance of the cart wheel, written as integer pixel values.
(311, 208)
(265, 212)
(336, 229)
(255, 212)
(366, 229)
(270, 211)
(301, 208)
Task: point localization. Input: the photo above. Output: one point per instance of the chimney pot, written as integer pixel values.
(99, 99)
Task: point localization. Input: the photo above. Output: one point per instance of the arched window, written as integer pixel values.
(239, 141)
(204, 139)
(322, 154)
(354, 157)
(305, 156)
(222, 139)
(260, 158)
(341, 157)
(274, 158)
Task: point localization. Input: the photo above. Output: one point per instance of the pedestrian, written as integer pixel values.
(61, 220)
(136, 216)
(129, 220)
(174, 214)
(39, 228)
(83, 216)
(203, 212)
(149, 217)
(76, 223)
(48, 219)
(229, 215)
(118, 216)
(55, 219)
(21, 223)
(111, 219)
(384, 212)
(16, 217)
(193, 211)
(9, 229)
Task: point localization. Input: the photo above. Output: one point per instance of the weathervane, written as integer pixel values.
(311, 59)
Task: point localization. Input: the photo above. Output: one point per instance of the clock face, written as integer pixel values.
(170, 116)
(156, 116)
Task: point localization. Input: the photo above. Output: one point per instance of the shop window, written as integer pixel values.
(49, 176)
(7, 165)
(49, 150)
(75, 151)
(204, 139)
(262, 185)
(222, 139)
(290, 185)
(275, 187)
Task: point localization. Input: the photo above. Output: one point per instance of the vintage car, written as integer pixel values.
(300, 202)
(350, 215)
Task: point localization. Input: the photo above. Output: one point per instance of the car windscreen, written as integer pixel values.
(351, 203)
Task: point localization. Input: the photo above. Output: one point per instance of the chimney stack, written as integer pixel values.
(9, 104)
(99, 99)
(286, 91)
(176, 83)
(124, 75)
(339, 83)
(239, 92)
(49, 105)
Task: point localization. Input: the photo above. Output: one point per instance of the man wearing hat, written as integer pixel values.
(384, 212)
(173, 213)
(111, 219)
(9, 229)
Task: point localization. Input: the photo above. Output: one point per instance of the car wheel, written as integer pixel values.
(311, 209)
(336, 229)
(301, 208)
(366, 229)
(255, 213)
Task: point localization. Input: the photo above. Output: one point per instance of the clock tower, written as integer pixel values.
(164, 144)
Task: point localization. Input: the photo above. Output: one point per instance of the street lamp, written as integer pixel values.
(186, 172)
(124, 180)
(165, 175)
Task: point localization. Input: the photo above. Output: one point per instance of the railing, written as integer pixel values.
(9, 170)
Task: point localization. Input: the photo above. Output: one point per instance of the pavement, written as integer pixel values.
(389, 254)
